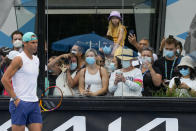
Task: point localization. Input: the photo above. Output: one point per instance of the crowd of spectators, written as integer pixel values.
(116, 70)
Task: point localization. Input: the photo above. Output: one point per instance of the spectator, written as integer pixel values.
(139, 46)
(116, 30)
(185, 84)
(179, 49)
(64, 66)
(152, 78)
(101, 59)
(17, 40)
(128, 80)
(78, 51)
(168, 62)
(93, 79)
(8, 59)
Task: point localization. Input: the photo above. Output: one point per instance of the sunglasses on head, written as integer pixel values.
(183, 67)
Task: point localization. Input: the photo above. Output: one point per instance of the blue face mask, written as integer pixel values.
(168, 53)
(73, 66)
(125, 63)
(90, 60)
(107, 50)
(184, 72)
(112, 66)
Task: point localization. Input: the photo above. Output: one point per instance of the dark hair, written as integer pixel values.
(80, 48)
(73, 55)
(119, 65)
(16, 32)
(147, 49)
(179, 43)
(101, 54)
(171, 40)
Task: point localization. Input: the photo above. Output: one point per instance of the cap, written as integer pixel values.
(29, 36)
(116, 14)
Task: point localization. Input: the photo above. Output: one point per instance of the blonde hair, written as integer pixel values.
(112, 29)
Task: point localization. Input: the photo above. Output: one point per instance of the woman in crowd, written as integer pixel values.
(116, 30)
(152, 78)
(128, 80)
(93, 80)
(66, 67)
(185, 84)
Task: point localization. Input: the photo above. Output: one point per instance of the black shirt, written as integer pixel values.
(162, 62)
(149, 88)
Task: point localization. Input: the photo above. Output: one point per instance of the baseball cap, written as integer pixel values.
(29, 36)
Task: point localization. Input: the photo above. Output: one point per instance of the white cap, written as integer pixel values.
(186, 61)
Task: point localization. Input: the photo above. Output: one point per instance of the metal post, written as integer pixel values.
(41, 43)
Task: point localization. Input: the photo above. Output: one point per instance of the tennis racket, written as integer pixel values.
(47, 105)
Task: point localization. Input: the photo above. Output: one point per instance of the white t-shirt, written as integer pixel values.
(184, 92)
(132, 86)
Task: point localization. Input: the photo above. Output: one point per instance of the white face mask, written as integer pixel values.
(125, 63)
(17, 43)
(146, 59)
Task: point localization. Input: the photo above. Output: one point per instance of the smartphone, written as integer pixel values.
(88, 87)
(131, 32)
(177, 81)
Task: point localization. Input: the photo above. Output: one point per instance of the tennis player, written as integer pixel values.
(23, 72)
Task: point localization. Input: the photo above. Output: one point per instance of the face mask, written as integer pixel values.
(146, 59)
(168, 53)
(90, 60)
(107, 50)
(50, 71)
(112, 66)
(73, 66)
(17, 43)
(184, 72)
(125, 63)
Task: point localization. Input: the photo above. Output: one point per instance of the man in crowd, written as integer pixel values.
(139, 46)
(169, 61)
(17, 40)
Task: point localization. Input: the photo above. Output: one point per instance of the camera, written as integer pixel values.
(177, 81)
(66, 61)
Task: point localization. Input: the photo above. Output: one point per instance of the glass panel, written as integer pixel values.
(80, 22)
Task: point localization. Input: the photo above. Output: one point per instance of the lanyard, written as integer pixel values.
(143, 74)
(171, 68)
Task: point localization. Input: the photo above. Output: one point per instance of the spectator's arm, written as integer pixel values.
(81, 82)
(72, 82)
(136, 84)
(120, 37)
(112, 85)
(132, 40)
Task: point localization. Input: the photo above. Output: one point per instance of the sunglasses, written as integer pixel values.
(183, 67)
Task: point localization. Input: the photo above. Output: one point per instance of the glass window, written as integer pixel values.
(85, 23)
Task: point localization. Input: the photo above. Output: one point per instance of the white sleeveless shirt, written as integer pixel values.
(93, 80)
(25, 79)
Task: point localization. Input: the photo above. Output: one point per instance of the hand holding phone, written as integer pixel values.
(131, 32)
(177, 81)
